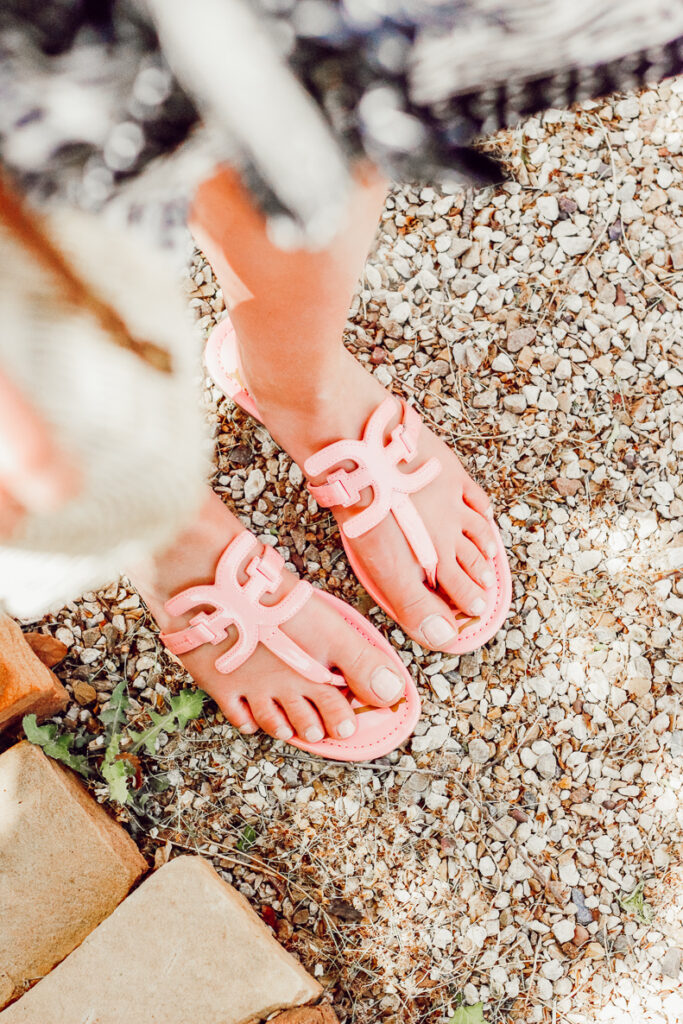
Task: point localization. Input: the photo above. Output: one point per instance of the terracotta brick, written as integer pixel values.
(64, 866)
(26, 684)
(184, 948)
(323, 1014)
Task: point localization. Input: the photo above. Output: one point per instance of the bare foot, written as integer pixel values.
(455, 510)
(264, 692)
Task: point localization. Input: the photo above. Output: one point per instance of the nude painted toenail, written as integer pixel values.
(477, 606)
(488, 578)
(386, 684)
(248, 729)
(284, 733)
(489, 512)
(437, 631)
(346, 729)
(314, 734)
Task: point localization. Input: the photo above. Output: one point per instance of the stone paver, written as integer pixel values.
(64, 866)
(26, 684)
(184, 948)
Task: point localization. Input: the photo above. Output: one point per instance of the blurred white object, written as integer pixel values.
(248, 94)
(136, 433)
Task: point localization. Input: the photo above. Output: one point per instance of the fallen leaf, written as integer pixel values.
(269, 916)
(469, 1015)
(50, 650)
(345, 911)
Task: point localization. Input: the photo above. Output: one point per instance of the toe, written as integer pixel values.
(237, 712)
(426, 617)
(271, 718)
(480, 532)
(474, 564)
(332, 707)
(369, 673)
(461, 589)
(477, 498)
(304, 718)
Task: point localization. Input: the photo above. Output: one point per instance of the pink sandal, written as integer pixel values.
(377, 467)
(379, 730)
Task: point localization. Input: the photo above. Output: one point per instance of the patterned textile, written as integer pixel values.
(88, 98)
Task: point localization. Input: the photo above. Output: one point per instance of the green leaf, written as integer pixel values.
(147, 739)
(116, 774)
(138, 738)
(469, 1015)
(635, 903)
(114, 715)
(187, 706)
(159, 784)
(249, 836)
(58, 748)
(39, 734)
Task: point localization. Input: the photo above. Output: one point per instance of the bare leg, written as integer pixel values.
(289, 310)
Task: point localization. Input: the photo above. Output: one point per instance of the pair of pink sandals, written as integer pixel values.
(377, 461)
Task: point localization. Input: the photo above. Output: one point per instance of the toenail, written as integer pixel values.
(437, 631)
(386, 684)
(314, 734)
(489, 512)
(248, 728)
(284, 732)
(477, 606)
(346, 729)
(488, 578)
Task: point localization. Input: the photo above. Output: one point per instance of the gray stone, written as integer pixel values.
(515, 403)
(255, 485)
(546, 766)
(583, 914)
(671, 963)
(516, 340)
(478, 751)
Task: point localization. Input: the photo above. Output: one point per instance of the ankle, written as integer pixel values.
(302, 386)
(317, 405)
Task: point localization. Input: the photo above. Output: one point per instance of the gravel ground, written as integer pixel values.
(525, 849)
